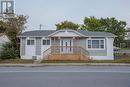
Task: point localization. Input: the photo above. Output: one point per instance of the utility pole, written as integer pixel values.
(40, 26)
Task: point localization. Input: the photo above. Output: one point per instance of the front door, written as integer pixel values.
(66, 45)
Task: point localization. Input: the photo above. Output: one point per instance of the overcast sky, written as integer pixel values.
(50, 12)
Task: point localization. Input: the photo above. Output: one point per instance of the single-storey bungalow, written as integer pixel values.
(66, 44)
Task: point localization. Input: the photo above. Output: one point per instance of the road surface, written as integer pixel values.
(65, 76)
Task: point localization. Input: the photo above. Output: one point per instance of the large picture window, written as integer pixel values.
(30, 42)
(96, 44)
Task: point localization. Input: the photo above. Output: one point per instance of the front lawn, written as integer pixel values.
(16, 61)
(125, 48)
(123, 58)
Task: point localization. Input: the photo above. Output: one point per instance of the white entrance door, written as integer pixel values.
(66, 45)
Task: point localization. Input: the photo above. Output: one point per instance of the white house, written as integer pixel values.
(127, 39)
(66, 45)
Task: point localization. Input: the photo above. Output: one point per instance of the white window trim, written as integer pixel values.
(30, 39)
(99, 45)
(46, 40)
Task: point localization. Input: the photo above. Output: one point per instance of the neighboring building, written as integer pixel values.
(127, 39)
(3, 39)
(7, 9)
(66, 45)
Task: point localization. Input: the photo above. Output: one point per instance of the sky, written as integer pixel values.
(50, 12)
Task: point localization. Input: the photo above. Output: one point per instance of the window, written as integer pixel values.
(89, 43)
(102, 44)
(46, 42)
(30, 42)
(96, 44)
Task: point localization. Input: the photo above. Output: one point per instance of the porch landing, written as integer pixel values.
(66, 53)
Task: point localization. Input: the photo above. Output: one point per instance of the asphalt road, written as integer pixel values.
(65, 76)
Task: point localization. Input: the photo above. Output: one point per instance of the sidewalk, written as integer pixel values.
(64, 64)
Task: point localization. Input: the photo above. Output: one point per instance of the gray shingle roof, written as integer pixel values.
(48, 32)
(90, 33)
(38, 33)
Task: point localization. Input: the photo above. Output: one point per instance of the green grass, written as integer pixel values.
(16, 61)
(21, 61)
(125, 48)
(122, 60)
(122, 55)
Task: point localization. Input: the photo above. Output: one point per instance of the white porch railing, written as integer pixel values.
(65, 50)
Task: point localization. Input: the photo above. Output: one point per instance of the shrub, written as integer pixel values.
(8, 51)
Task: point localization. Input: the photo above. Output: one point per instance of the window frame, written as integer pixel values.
(46, 42)
(100, 44)
(30, 42)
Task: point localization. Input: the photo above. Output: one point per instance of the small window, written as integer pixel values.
(30, 42)
(46, 42)
(102, 44)
(89, 43)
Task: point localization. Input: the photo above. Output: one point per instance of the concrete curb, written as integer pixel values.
(64, 64)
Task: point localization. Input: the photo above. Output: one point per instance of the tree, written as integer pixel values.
(8, 51)
(92, 24)
(2, 27)
(67, 24)
(116, 27)
(111, 25)
(13, 27)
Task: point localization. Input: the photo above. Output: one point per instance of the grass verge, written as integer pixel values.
(16, 61)
(125, 48)
(123, 60)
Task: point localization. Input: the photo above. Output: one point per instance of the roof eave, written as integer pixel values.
(31, 36)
